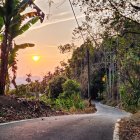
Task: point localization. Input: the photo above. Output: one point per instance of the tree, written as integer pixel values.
(126, 50)
(12, 24)
(77, 67)
(107, 15)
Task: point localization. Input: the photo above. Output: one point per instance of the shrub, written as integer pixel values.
(130, 98)
(20, 91)
(73, 101)
(70, 87)
(47, 100)
(55, 86)
(70, 98)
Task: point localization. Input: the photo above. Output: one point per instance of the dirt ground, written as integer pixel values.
(130, 128)
(13, 108)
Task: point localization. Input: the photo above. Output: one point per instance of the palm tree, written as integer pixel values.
(12, 24)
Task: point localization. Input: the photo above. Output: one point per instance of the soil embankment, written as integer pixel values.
(13, 108)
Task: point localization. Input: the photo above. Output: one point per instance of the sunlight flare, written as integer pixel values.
(36, 58)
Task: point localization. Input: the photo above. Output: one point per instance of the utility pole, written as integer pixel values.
(88, 66)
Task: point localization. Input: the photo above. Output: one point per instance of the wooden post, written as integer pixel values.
(88, 64)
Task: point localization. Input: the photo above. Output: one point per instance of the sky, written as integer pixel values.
(55, 31)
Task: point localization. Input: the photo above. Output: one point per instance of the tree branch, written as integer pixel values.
(135, 7)
(114, 7)
(129, 32)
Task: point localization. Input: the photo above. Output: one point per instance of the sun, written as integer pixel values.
(36, 58)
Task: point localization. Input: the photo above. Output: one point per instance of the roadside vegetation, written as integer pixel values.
(60, 93)
(105, 67)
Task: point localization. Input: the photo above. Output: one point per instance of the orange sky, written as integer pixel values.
(46, 37)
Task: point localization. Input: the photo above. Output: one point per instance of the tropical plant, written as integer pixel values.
(14, 21)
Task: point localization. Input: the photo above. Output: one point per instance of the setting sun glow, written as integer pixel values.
(36, 58)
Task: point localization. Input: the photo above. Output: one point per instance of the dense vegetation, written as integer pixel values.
(59, 92)
(117, 42)
(110, 55)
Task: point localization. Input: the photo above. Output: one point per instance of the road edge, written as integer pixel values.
(116, 130)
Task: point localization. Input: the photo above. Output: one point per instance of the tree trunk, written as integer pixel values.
(4, 62)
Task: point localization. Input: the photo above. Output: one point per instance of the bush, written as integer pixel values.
(70, 98)
(47, 100)
(73, 101)
(70, 87)
(20, 91)
(130, 98)
(55, 86)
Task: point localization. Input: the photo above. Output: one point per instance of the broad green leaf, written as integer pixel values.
(26, 26)
(22, 46)
(16, 48)
(1, 23)
(1, 37)
(28, 3)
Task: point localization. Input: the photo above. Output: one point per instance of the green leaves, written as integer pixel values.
(22, 46)
(70, 87)
(1, 17)
(30, 3)
(66, 48)
(14, 23)
(25, 27)
(12, 57)
(18, 23)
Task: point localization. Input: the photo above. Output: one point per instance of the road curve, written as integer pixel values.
(97, 126)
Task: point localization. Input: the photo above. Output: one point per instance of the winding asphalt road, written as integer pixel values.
(97, 126)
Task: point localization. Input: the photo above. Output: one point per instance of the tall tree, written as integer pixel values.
(107, 15)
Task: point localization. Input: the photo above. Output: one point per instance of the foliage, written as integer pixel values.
(130, 98)
(47, 100)
(66, 48)
(108, 15)
(14, 21)
(55, 86)
(97, 84)
(28, 79)
(76, 68)
(21, 91)
(70, 98)
(117, 30)
(73, 101)
(79, 59)
(70, 87)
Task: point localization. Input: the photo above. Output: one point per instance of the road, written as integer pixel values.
(97, 126)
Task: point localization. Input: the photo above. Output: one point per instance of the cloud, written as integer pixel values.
(62, 14)
(55, 22)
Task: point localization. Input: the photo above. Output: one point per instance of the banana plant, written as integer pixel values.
(12, 61)
(14, 21)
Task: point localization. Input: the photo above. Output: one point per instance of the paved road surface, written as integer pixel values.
(97, 126)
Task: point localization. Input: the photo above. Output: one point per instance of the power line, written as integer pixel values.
(76, 19)
(88, 63)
